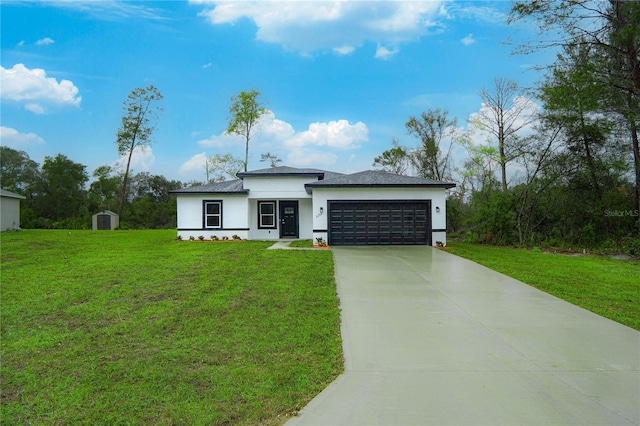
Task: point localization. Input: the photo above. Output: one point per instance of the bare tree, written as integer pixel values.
(503, 114)
(432, 158)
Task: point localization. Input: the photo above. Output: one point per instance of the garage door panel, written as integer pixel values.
(375, 223)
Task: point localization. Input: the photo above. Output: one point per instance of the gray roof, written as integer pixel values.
(369, 178)
(375, 178)
(9, 194)
(227, 187)
(290, 171)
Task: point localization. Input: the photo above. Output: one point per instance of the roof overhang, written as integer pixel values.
(320, 185)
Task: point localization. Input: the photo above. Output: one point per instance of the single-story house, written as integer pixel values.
(366, 208)
(9, 210)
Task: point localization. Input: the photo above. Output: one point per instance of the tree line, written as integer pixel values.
(564, 174)
(57, 195)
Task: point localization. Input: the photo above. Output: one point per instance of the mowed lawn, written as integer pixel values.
(132, 327)
(609, 287)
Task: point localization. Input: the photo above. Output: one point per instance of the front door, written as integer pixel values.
(104, 221)
(288, 219)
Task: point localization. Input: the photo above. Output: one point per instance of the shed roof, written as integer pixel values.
(9, 194)
(107, 212)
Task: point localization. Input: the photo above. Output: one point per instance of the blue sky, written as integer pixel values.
(339, 77)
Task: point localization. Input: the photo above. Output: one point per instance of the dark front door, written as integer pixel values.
(104, 221)
(288, 219)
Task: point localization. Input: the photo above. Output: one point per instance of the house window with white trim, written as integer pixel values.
(213, 214)
(267, 214)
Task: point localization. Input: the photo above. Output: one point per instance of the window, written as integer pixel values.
(213, 214)
(267, 214)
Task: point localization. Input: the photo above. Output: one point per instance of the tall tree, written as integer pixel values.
(140, 110)
(433, 128)
(61, 193)
(18, 172)
(245, 112)
(611, 28)
(394, 160)
(503, 114)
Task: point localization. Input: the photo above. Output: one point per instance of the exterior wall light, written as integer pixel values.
(437, 209)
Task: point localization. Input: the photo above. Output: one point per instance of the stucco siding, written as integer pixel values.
(305, 221)
(277, 187)
(191, 216)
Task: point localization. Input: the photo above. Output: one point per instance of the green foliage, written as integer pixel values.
(244, 114)
(221, 167)
(493, 217)
(18, 173)
(394, 160)
(97, 330)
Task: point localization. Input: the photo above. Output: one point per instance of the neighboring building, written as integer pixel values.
(366, 208)
(9, 210)
(105, 220)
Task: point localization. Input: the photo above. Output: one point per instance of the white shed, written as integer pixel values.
(105, 220)
(9, 210)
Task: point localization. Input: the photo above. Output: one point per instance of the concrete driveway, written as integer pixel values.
(433, 339)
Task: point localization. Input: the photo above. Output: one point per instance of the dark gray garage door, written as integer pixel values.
(379, 222)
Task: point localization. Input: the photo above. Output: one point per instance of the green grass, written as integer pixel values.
(131, 327)
(603, 285)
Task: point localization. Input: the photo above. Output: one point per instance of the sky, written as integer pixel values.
(340, 78)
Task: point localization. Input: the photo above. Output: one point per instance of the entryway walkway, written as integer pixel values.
(433, 339)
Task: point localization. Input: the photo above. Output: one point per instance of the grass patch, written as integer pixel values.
(606, 286)
(131, 327)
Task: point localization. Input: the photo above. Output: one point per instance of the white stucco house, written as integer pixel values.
(9, 210)
(366, 208)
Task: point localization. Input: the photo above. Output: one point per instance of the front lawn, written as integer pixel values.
(131, 327)
(603, 285)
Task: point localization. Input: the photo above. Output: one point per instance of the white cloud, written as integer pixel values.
(110, 9)
(306, 158)
(141, 160)
(468, 40)
(34, 108)
(14, 139)
(45, 41)
(522, 116)
(193, 164)
(385, 53)
(20, 43)
(344, 50)
(338, 134)
(338, 26)
(322, 144)
(207, 65)
(21, 84)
